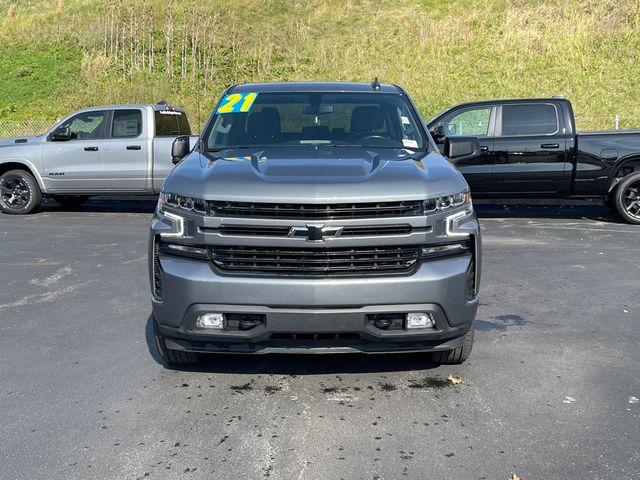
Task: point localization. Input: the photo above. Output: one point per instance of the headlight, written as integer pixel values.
(190, 204)
(446, 202)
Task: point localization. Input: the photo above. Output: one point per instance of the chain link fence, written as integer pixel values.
(17, 128)
(613, 122)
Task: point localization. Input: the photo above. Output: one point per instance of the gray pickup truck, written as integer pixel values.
(315, 218)
(107, 150)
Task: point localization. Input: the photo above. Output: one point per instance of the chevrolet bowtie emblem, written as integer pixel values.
(315, 232)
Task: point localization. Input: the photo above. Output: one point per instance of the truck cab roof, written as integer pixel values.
(314, 87)
(126, 106)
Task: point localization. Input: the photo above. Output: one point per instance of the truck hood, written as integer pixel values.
(17, 141)
(315, 175)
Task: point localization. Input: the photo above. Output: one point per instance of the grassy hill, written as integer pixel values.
(59, 55)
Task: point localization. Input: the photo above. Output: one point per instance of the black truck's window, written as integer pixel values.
(473, 122)
(126, 123)
(529, 119)
(170, 123)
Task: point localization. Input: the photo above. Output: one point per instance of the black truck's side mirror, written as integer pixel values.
(61, 134)
(179, 149)
(459, 147)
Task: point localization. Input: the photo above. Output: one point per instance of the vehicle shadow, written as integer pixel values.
(294, 364)
(594, 212)
(103, 205)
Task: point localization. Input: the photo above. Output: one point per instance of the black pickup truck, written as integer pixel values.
(529, 148)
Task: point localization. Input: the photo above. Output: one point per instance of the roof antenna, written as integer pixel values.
(375, 84)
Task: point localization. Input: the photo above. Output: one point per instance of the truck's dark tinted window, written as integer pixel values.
(529, 119)
(374, 120)
(170, 123)
(126, 123)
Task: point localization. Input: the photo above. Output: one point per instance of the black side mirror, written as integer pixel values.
(458, 147)
(61, 134)
(179, 149)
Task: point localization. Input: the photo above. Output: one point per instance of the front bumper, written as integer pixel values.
(321, 315)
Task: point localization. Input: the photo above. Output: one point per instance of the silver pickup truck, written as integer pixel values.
(315, 218)
(106, 150)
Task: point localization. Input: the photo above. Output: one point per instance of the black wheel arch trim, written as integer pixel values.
(613, 179)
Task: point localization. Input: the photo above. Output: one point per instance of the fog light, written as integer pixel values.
(211, 320)
(420, 320)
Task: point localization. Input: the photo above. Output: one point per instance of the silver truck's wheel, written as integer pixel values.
(627, 198)
(171, 357)
(457, 355)
(19, 192)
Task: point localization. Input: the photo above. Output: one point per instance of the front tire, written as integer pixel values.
(627, 198)
(457, 355)
(19, 192)
(171, 357)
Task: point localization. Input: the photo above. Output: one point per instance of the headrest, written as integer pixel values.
(367, 119)
(266, 122)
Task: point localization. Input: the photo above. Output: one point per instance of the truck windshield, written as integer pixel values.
(373, 120)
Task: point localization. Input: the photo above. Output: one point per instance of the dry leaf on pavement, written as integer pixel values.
(454, 379)
(515, 477)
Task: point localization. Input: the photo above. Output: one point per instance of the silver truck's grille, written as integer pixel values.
(316, 262)
(325, 211)
(283, 231)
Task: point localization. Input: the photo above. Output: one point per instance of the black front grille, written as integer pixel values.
(283, 231)
(316, 262)
(325, 211)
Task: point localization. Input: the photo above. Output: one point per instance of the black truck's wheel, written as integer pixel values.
(627, 198)
(70, 200)
(19, 192)
(171, 357)
(457, 355)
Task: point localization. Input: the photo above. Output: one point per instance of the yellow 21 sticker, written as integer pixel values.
(237, 102)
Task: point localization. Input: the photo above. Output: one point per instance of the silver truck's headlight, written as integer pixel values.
(170, 208)
(183, 202)
(446, 202)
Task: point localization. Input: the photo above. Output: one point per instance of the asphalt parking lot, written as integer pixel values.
(550, 392)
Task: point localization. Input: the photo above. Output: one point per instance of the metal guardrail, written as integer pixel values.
(16, 128)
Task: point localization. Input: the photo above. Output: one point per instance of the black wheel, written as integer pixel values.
(627, 198)
(171, 357)
(457, 355)
(19, 192)
(70, 200)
